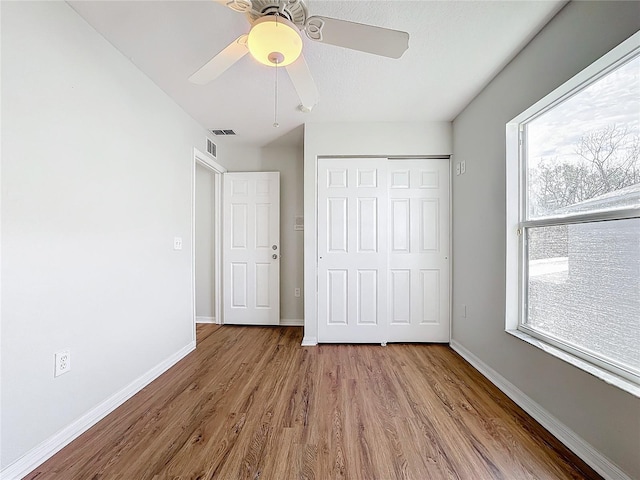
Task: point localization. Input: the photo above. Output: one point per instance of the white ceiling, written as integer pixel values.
(455, 48)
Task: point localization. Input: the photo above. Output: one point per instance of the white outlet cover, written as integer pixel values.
(463, 167)
(458, 168)
(62, 362)
(177, 243)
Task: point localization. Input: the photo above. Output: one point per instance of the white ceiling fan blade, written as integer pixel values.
(357, 36)
(221, 62)
(303, 83)
(240, 6)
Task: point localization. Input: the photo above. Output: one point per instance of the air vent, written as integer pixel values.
(212, 148)
(223, 132)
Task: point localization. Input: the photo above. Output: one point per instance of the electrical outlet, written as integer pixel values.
(296, 292)
(63, 362)
(463, 167)
(458, 168)
(177, 243)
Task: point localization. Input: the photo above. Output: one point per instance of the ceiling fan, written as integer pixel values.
(274, 40)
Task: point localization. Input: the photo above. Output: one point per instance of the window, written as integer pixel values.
(573, 168)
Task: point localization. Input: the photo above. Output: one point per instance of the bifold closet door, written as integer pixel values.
(383, 250)
(419, 259)
(352, 250)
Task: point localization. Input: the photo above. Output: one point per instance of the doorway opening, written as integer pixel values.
(206, 251)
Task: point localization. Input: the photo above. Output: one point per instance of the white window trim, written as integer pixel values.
(515, 274)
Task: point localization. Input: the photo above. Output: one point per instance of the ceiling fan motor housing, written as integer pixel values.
(293, 10)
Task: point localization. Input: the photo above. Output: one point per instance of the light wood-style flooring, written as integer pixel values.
(250, 403)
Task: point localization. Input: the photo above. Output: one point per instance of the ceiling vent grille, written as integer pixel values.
(223, 132)
(212, 149)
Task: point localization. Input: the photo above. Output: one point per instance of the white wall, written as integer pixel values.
(355, 139)
(603, 416)
(288, 161)
(204, 244)
(96, 182)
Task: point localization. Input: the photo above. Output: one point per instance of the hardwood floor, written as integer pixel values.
(251, 403)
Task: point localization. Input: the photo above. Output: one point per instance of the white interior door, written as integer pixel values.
(352, 246)
(251, 248)
(418, 251)
(383, 250)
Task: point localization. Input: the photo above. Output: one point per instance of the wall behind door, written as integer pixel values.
(288, 160)
(205, 261)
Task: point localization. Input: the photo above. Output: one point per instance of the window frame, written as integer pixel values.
(517, 224)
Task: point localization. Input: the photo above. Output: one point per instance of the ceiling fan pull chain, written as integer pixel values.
(275, 103)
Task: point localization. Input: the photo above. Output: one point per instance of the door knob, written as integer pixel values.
(274, 256)
(275, 247)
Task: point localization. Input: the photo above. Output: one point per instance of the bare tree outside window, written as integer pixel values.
(608, 160)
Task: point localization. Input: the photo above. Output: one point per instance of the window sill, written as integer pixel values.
(598, 372)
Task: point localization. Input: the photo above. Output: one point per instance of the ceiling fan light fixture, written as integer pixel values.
(274, 40)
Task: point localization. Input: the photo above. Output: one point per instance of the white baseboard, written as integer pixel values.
(575, 443)
(291, 322)
(309, 342)
(39, 454)
(205, 319)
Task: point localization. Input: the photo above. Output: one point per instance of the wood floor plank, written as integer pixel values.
(251, 403)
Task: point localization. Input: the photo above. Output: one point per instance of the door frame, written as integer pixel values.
(206, 161)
